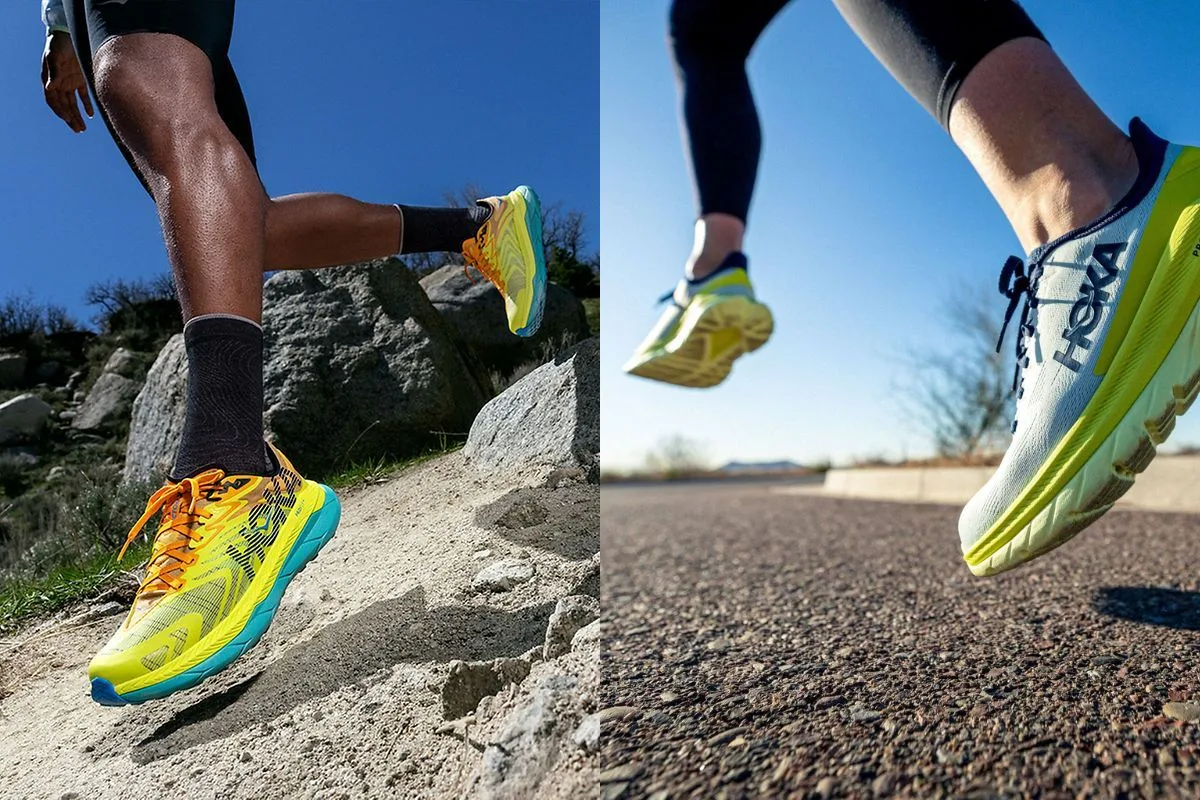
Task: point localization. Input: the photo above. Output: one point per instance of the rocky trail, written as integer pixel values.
(444, 644)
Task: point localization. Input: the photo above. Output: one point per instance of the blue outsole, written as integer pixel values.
(533, 222)
(317, 532)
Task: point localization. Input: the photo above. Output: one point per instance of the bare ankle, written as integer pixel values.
(701, 265)
(1057, 200)
(716, 236)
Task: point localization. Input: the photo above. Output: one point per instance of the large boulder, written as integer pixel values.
(12, 369)
(475, 311)
(548, 420)
(125, 363)
(109, 402)
(359, 365)
(22, 417)
(107, 405)
(158, 415)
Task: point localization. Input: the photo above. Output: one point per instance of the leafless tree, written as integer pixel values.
(960, 394)
(676, 457)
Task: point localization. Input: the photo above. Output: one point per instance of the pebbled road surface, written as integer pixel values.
(769, 645)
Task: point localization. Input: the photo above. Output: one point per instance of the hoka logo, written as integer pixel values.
(249, 552)
(1085, 314)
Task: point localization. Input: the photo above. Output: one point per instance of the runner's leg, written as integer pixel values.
(1049, 156)
(710, 42)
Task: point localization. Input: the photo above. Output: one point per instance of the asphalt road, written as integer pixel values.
(771, 645)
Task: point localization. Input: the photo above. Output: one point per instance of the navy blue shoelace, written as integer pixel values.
(1016, 285)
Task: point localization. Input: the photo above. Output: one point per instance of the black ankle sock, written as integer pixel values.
(438, 230)
(224, 423)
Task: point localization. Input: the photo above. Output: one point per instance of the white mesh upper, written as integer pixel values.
(1054, 396)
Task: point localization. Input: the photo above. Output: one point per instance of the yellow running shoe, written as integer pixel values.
(707, 327)
(226, 549)
(507, 251)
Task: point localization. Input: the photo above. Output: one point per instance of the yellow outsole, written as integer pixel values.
(1110, 467)
(712, 334)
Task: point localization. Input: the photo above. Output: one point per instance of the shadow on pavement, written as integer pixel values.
(1170, 608)
(386, 633)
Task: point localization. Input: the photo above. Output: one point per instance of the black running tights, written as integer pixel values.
(928, 45)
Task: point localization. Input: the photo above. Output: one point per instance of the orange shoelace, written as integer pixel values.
(473, 252)
(178, 503)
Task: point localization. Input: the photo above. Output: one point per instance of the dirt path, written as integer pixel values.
(341, 698)
(790, 646)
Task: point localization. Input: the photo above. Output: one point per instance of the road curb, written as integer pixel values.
(1171, 483)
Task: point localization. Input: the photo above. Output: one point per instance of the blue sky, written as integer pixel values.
(865, 218)
(385, 101)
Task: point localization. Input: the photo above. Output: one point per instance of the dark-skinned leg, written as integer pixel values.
(309, 231)
(312, 231)
(158, 91)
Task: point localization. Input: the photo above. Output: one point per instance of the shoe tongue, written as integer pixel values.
(145, 601)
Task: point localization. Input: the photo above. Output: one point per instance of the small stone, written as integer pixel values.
(614, 713)
(587, 735)
(725, 736)
(503, 575)
(622, 773)
(245, 757)
(570, 614)
(668, 696)
(824, 787)
(945, 756)
(859, 713)
(883, 785)
(587, 639)
(1185, 712)
(614, 791)
(326, 595)
(1104, 661)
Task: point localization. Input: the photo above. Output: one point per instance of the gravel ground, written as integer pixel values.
(787, 646)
